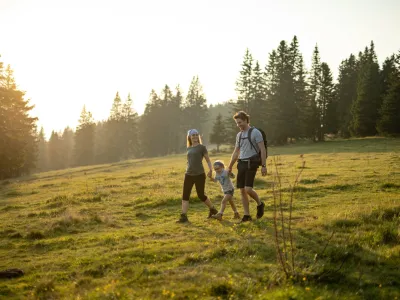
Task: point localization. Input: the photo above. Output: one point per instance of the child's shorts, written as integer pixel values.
(230, 192)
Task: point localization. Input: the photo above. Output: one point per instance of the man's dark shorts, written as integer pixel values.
(246, 174)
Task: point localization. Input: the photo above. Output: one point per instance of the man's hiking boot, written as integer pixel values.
(236, 216)
(218, 216)
(260, 210)
(246, 218)
(183, 219)
(212, 211)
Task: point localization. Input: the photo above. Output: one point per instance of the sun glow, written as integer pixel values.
(69, 53)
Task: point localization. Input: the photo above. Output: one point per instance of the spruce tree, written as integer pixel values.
(365, 108)
(315, 93)
(326, 104)
(302, 99)
(388, 123)
(218, 134)
(195, 107)
(42, 163)
(244, 86)
(258, 97)
(55, 151)
(67, 147)
(84, 139)
(346, 93)
(17, 129)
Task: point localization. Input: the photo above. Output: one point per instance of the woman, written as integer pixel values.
(195, 174)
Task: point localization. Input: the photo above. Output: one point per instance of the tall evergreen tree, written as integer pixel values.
(315, 93)
(17, 129)
(388, 123)
(55, 151)
(302, 98)
(67, 147)
(244, 85)
(42, 164)
(195, 107)
(129, 141)
(84, 139)
(346, 93)
(258, 97)
(218, 135)
(365, 108)
(326, 104)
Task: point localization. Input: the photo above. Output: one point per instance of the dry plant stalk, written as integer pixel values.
(282, 253)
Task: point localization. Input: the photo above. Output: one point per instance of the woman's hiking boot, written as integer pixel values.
(218, 216)
(183, 219)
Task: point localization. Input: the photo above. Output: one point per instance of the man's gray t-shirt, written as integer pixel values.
(246, 150)
(224, 180)
(194, 160)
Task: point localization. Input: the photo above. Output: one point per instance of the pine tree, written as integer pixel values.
(346, 93)
(388, 123)
(84, 139)
(218, 135)
(244, 85)
(365, 108)
(273, 111)
(149, 126)
(326, 104)
(195, 107)
(42, 164)
(56, 157)
(67, 147)
(17, 129)
(129, 141)
(116, 109)
(258, 97)
(315, 93)
(302, 99)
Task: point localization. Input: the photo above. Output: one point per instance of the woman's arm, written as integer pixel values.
(209, 164)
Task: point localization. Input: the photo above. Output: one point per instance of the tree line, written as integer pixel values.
(286, 100)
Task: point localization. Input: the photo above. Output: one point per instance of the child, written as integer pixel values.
(224, 178)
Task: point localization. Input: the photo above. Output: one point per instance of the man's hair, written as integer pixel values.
(242, 116)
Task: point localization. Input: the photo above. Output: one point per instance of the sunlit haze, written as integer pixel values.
(69, 53)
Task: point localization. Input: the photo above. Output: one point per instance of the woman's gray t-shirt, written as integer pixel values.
(194, 160)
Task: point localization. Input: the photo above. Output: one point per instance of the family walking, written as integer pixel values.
(250, 153)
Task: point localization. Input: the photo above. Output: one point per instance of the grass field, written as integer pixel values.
(109, 231)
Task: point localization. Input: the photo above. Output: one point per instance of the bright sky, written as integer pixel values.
(67, 53)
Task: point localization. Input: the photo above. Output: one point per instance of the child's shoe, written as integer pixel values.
(236, 215)
(217, 216)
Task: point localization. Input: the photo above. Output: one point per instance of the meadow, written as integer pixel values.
(110, 231)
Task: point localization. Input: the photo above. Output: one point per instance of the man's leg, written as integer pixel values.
(253, 194)
(250, 175)
(245, 202)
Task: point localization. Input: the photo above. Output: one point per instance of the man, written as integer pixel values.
(247, 154)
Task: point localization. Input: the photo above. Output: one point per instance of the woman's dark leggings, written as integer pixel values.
(199, 181)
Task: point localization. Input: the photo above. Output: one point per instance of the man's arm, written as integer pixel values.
(261, 146)
(234, 158)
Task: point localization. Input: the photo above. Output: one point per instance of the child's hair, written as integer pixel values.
(219, 163)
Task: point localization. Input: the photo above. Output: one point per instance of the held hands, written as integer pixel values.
(209, 174)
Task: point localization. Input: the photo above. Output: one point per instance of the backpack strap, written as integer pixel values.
(249, 137)
(240, 138)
